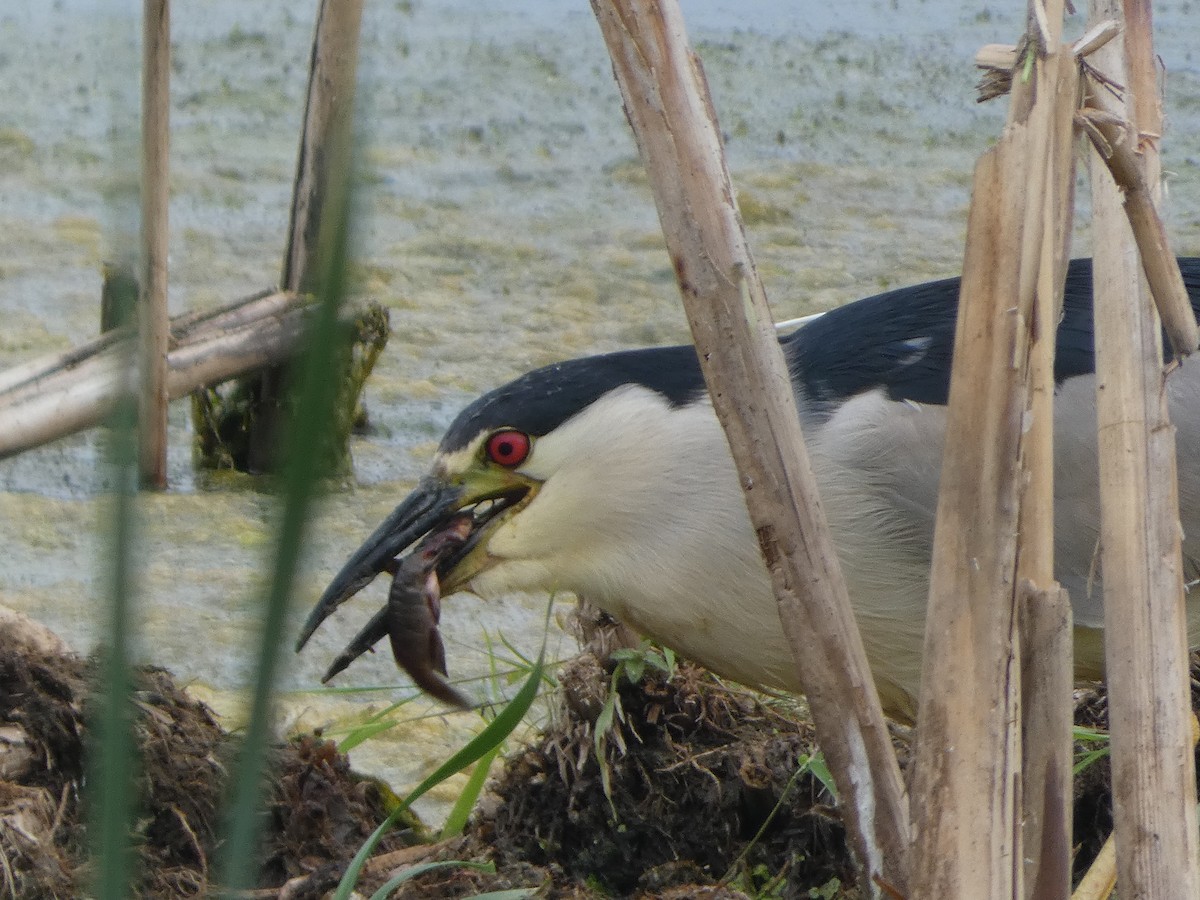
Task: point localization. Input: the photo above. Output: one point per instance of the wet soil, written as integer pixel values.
(702, 791)
(318, 812)
(696, 789)
(505, 223)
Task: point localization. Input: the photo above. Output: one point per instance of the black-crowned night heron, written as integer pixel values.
(610, 477)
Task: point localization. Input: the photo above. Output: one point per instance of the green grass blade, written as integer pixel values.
(110, 784)
(242, 822)
(1080, 733)
(479, 746)
(816, 765)
(457, 820)
(521, 659)
(301, 470)
(364, 733)
(408, 874)
(600, 730)
(1084, 760)
(110, 753)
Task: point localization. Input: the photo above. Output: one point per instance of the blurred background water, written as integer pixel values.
(504, 221)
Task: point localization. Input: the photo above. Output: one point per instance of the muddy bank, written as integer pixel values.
(695, 789)
(702, 788)
(505, 223)
(318, 812)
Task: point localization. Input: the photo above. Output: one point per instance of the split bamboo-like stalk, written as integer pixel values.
(1100, 880)
(969, 815)
(154, 320)
(46, 399)
(1047, 675)
(668, 105)
(1046, 644)
(1145, 634)
(325, 138)
(322, 167)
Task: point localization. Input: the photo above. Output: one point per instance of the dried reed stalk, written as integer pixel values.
(325, 138)
(973, 834)
(1154, 790)
(154, 319)
(47, 399)
(668, 105)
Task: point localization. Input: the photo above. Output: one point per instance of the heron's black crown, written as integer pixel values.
(541, 400)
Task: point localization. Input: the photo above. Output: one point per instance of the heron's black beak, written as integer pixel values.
(430, 504)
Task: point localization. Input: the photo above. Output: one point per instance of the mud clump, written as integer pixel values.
(693, 789)
(699, 796)
(695, 772)
(318, 812)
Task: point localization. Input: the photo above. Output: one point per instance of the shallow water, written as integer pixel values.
(506, 223)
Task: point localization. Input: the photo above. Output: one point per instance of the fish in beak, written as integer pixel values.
(410, 618)
(432, 503)
(448, 520)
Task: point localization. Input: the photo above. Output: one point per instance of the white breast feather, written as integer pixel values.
(642, 514)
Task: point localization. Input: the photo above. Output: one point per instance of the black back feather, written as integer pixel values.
(901, 341)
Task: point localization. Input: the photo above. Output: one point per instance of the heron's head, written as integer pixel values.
(561, 471)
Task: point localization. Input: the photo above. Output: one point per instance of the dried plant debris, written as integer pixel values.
(701, 799)
(1093, 817)
(319, 811)
(699, 803)
(692, 789)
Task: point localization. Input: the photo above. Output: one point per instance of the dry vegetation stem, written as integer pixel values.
(668, 105)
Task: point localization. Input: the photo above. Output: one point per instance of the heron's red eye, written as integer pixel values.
(508, 448)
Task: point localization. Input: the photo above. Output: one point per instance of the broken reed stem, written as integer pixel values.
(963, 801)
(976, 834)
(1101, 877)
(1046, 648)
(1047, 675)
(1113, 139)
(47, 399)
(999, 60)
(23, 377)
